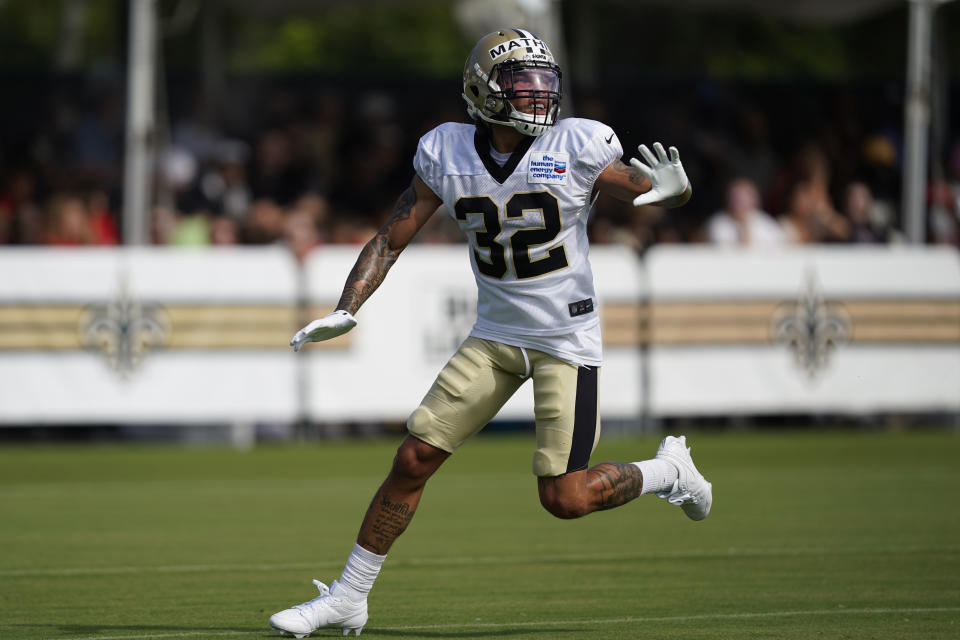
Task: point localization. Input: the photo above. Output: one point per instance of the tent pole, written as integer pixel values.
(140, 122)
(917, 120)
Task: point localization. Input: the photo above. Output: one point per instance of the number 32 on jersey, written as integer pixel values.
(516, 247)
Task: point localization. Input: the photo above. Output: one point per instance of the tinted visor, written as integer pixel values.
(524, 81)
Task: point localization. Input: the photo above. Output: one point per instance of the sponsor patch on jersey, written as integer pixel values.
(547, 167)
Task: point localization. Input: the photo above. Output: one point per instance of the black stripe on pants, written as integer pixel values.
(585, 420)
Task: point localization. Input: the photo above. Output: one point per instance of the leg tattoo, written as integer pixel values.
(397, 498)
(385, 521)
(614, 484)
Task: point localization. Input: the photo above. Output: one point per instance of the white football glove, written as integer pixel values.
(329, 326)
(666, 175)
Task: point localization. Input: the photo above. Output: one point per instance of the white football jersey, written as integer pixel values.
(526, 223)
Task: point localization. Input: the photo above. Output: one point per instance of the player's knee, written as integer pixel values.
(564, 505)
(416, 460)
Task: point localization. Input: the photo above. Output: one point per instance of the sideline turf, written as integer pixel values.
(813, 535)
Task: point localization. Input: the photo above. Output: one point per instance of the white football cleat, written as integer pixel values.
(329, 609)
(691, 491)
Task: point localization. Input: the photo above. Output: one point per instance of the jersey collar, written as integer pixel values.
(481, 141)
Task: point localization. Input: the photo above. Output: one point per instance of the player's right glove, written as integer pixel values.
(329, 326)
(666, 175)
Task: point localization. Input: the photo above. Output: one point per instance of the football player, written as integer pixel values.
(520, 183)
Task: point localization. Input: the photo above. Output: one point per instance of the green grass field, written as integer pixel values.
(812, 535)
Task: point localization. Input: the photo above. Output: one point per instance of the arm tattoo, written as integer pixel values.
(615, 482)
(376, 257)
(632, 174)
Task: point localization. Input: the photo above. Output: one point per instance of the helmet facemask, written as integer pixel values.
(524, 94)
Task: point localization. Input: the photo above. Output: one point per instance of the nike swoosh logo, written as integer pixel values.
(610, 138)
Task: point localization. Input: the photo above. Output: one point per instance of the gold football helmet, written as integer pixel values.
(512, 79)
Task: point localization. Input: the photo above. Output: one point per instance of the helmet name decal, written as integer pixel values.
(547, 167)
(535, 49)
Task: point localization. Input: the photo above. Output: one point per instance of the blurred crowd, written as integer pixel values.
(315, 167)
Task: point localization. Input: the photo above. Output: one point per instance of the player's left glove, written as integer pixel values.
(665, 174)
(329, 326)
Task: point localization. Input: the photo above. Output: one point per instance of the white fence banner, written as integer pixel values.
(419, 316)
(147, 335)
(829, 329)
(160, 335)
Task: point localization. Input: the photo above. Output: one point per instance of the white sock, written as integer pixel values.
(658, 475)
(362, 569)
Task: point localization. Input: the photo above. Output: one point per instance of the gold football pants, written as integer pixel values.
(479, 379)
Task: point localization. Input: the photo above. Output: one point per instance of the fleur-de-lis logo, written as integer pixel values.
(811, 328)
(123, 330)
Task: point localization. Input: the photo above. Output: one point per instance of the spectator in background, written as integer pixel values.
(265, 223)
(103, 223)
(318, 208)
(954, 172)
(225, 186)
(810, 218)
(166, 222)
(742, 223)
(944, 217)
(182, 218)
(305, 225)
(223, 231)
(300, 232)
(879, 169)
(195, 132)
(808, 165)
(69, 221)
(868, 225)
(191, 229)
(21, 220)
(162, 221)
(945, 203)
(176, 178)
